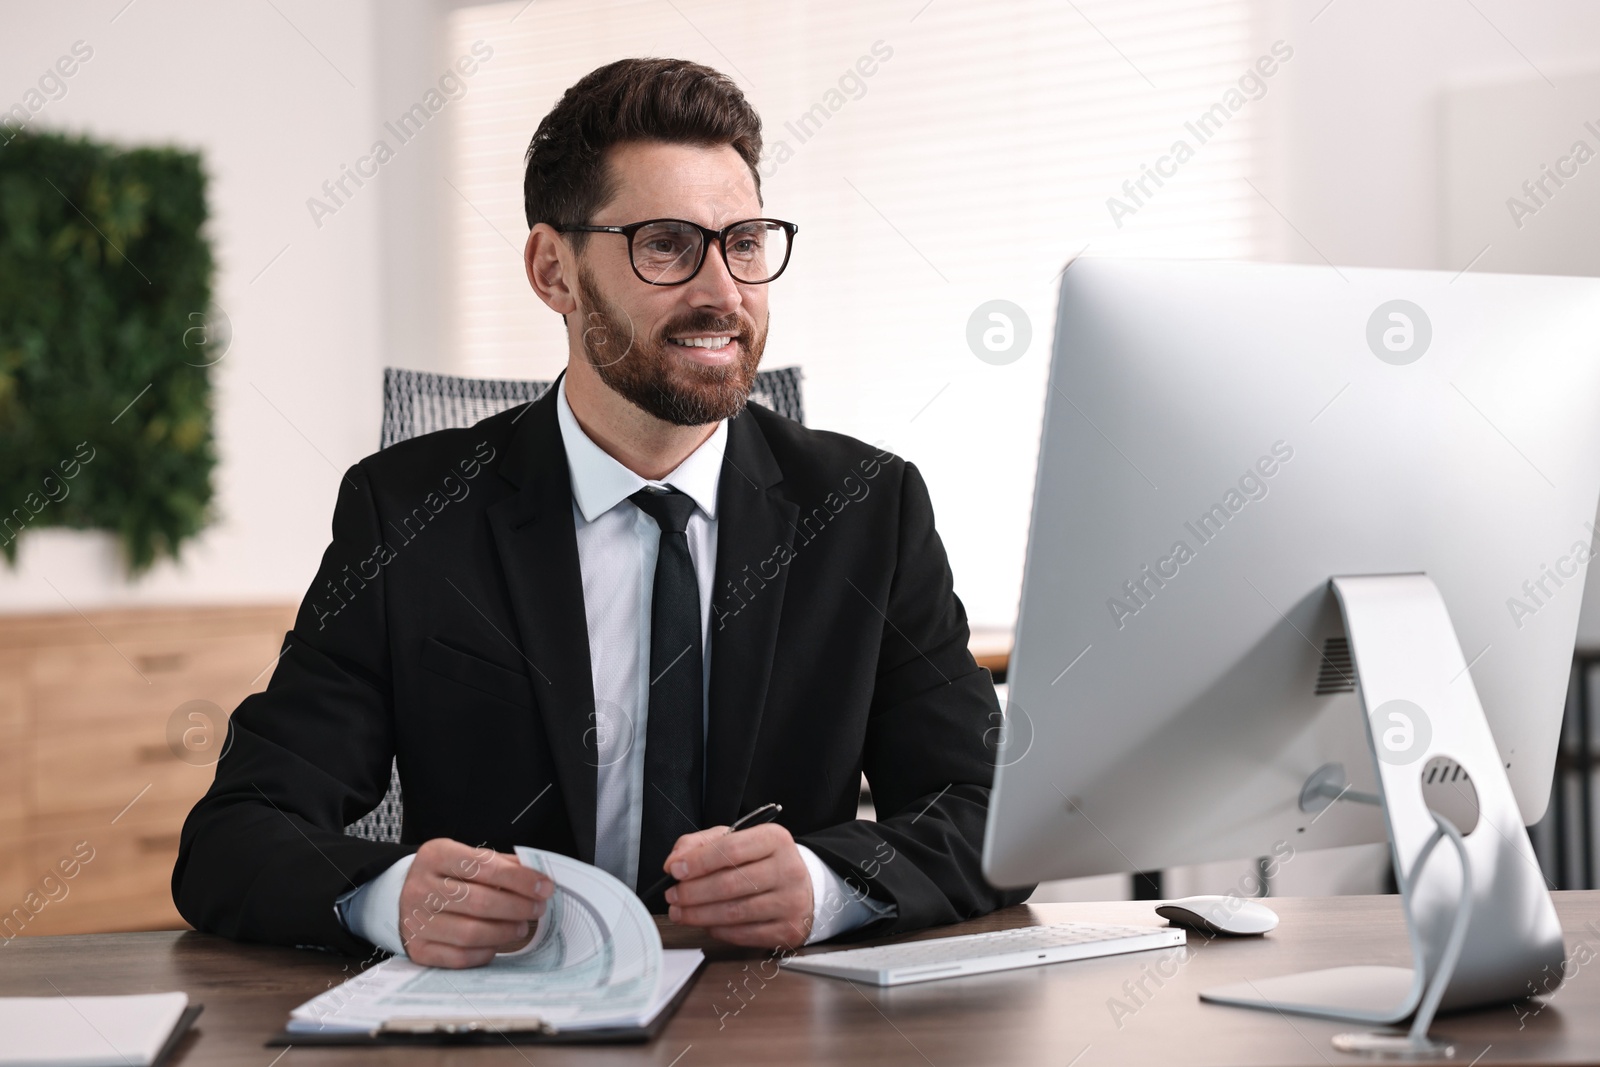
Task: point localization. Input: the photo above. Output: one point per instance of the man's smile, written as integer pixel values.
(703, 341)
(713, 350)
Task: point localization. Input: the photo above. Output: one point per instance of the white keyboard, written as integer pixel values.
(1002, 950)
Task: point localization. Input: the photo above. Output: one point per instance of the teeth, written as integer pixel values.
(701, 342)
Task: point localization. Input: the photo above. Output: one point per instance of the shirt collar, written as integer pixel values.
(600, 483)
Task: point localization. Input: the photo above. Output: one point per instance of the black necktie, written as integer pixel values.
(674, 750)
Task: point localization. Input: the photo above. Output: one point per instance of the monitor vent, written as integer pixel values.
(1442, 770)
(1338, 672)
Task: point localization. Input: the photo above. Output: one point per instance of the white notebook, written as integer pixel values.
(595, 963)
(128, 1031)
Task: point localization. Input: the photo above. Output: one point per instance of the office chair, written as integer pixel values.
(416, 402)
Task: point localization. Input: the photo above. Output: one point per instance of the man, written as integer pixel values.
(613, 621)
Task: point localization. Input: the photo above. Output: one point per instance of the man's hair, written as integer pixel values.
(669, 100)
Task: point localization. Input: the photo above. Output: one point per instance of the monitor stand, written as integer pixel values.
(1483, 930)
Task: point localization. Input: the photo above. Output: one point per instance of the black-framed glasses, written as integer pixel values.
(672, 251)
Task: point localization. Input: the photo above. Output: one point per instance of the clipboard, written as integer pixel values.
(486, 1032)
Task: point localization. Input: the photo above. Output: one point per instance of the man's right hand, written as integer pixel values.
(459, 905)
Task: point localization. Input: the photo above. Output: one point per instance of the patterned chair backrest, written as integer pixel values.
(417, 402)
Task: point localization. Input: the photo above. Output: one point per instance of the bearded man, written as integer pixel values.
(614, 621)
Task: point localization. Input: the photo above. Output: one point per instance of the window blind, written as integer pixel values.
(991, 142)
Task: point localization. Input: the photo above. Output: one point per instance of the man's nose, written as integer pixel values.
(714, 287)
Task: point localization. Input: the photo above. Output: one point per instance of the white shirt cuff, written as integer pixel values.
(836, 907)
(372, 911)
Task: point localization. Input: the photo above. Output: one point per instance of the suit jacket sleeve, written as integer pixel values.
(263, 854)
(926, 756)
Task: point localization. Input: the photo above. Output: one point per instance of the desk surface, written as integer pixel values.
(1057, 1015)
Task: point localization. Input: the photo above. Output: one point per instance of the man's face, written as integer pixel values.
(633, 333)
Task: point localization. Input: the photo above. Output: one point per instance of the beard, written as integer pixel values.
(647, 371)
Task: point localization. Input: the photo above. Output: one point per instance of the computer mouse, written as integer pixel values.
(1232, 915)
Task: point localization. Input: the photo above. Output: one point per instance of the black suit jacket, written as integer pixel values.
(446, 629)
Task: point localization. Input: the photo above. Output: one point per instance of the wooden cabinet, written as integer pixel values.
(109, 727)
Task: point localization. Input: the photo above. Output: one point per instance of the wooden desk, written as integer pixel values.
(991, 647)
(1056, 1015)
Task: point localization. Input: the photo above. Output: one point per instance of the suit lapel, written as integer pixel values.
(747, 601)
(538, 549)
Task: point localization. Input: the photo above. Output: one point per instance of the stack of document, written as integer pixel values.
(595, 964)
(131, 1031)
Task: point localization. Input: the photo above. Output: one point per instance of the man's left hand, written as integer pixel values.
(749, 888)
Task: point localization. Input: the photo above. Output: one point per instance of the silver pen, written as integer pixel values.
(764, 814)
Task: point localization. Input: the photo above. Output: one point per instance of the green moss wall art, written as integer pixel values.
(107, 334)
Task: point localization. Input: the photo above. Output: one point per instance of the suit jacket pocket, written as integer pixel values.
(476, 672)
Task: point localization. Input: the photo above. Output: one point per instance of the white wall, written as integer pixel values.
(274, 108)
(1361, 130)
(416, 228)
(1365, 173)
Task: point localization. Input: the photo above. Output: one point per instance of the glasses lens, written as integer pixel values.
(666, 252)
(757, 250)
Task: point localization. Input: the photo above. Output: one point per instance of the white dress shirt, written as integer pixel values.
(617, 546)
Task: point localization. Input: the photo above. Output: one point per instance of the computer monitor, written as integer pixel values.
(1222, 439)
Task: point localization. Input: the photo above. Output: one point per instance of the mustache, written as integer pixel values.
(741, 328)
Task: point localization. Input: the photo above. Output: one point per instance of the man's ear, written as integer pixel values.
(551, 269)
